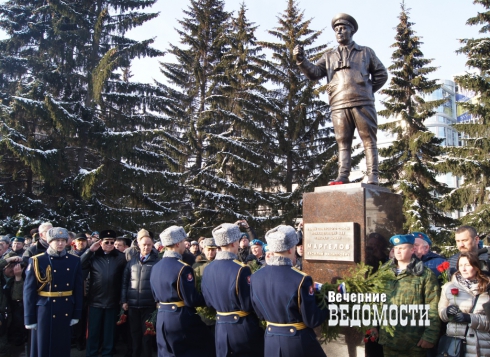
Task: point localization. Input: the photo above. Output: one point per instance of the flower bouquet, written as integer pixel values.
(443, 268)
(122, 317)
(150, 324)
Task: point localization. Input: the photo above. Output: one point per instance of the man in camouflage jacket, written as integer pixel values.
(412, 284)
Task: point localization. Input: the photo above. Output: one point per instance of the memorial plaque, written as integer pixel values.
(373, 209)
(329, 241)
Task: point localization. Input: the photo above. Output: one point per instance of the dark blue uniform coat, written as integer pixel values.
(180, 331)
(53, 314)
(226, 287)
(285, 295)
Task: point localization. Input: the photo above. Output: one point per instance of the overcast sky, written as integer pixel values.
(440, 22)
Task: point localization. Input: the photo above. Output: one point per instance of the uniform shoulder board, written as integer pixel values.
(184, 263)
(239, 262)
(298, 271)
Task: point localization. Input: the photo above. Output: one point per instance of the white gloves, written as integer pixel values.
(31, 327)
(73, 322)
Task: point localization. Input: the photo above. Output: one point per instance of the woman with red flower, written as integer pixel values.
(468, 287)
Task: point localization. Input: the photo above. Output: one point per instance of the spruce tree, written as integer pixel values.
(471, 161)
(236, 180)
(302, 136)
(409, 163)
(76, 136)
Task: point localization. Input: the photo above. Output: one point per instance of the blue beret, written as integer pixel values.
(402, 239)
(422, 236)
(257, 242)
(17, 239)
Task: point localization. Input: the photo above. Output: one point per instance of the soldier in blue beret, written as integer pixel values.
(285, 297)
(226, 288)
(180, 331)
(412, 284)
(53, 293)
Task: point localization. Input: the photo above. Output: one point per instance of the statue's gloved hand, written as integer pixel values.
(452, 310)
(299, 53)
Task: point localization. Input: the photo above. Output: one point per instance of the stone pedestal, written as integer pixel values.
(337, 220)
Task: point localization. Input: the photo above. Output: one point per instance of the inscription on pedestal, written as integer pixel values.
(329, 241)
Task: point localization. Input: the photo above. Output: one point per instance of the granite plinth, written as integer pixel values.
(371, 208)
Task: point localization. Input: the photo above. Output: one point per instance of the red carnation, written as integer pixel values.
(455, 291)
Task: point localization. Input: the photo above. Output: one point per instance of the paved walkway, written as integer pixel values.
(336, 348)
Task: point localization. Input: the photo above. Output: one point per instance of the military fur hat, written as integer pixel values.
(226, 233)
(345, 19)
(57, 233)
(281, 238)
(107, 234)
(209, 243)
(172, 235)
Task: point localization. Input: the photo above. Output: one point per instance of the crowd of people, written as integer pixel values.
(62, 290)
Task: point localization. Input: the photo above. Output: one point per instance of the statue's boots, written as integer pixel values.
(344, 168)
(372, 166)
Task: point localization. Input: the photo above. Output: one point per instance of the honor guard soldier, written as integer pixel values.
(226, 287)
(53, 292)
(285, 298)
(180, 331)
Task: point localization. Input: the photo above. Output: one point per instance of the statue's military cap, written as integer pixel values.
(345, 19)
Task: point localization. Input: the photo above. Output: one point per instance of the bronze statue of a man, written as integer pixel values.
(354, 74)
